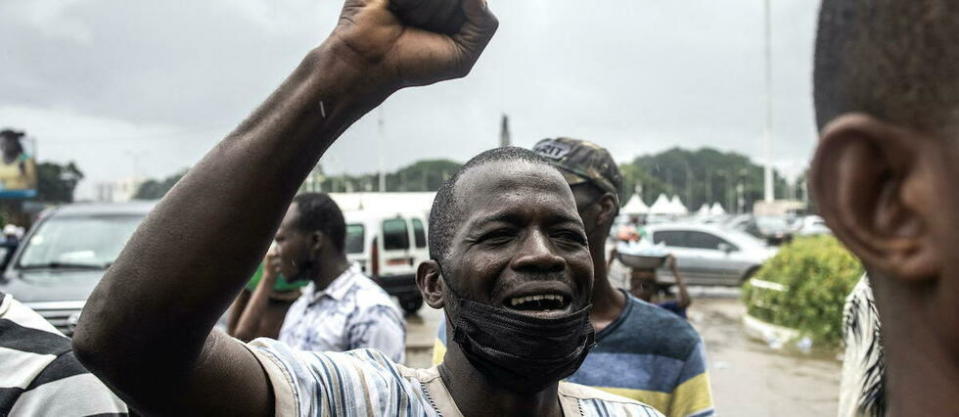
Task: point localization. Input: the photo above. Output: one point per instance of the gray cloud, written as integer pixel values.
(170, 78)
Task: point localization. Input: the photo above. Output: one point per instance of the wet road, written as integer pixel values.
(749, 379)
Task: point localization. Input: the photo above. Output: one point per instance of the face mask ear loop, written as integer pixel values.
(446, 281)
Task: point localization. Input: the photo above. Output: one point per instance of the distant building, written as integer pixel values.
(778, 207)
(118, 191)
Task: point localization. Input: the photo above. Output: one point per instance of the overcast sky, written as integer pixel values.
(136, 87)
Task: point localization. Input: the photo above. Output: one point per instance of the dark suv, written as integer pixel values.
(66, 253)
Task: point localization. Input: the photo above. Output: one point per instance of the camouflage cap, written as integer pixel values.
(582, 161)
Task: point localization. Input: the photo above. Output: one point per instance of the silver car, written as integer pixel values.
(66, 253)
(710, 255)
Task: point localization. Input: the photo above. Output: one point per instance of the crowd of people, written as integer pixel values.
(517, 244)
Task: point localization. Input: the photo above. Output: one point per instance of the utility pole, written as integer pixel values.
(769, 194)
(505, 138)
(379, 150)
(135, 157)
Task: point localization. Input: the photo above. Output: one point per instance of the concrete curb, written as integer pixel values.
(768, 333)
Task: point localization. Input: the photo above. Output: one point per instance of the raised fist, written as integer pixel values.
(403, 43)
(441, 16)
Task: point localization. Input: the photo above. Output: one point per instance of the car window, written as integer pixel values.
(94, 240)
(703, 240)
(743, 238)
(676, 238)
(355, 236)
(396, 235)
(419, 233)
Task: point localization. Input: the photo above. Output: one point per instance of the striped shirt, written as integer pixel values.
(863, 384)
(647, 354)
(366, 383)
(40, 376)
(352, 312)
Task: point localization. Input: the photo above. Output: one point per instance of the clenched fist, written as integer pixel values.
(401, 43)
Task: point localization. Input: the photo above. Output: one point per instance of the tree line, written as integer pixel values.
(697, 176)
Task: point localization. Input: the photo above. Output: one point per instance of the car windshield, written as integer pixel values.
(91, 241)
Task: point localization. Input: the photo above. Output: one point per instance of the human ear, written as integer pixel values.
(608, 207)
(317, 241)
(873, 193)
(430, 282)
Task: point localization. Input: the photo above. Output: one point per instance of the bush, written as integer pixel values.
(819, 273)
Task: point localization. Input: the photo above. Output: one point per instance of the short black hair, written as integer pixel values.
(896, 60)
(446, 214)
(319, 212)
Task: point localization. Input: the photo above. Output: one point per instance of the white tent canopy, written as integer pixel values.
(661, 206)
(677, 206)
(717, 210)
(635, 205)
(704, 211)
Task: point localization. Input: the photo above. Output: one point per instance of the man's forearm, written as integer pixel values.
(209, 232)
(682, 295)
(236, 312)
(249, 322)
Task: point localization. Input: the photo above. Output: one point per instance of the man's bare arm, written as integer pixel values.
(235, 312)
(146, 329)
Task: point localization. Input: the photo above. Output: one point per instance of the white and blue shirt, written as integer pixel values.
(364, 383)
(352, 312)
(40, 376)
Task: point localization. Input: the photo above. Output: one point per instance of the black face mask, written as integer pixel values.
(520, 352)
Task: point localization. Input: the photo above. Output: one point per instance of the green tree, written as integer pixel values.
(425, 175)
(56, 183)
(155, 189)
(697, 177)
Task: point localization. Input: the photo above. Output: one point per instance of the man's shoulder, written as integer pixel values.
(17, 315)
(304, 380)
(300, 361)
(604, 402)
(649, 329)
(48, 377)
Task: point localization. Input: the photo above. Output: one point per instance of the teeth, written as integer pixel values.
(530, 298)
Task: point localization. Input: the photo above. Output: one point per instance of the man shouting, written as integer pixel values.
(511, 263)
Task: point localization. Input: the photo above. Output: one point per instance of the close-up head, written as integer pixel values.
(504, 231)
(312, 232)
(887, 104)
(593, 176)
(643, 283)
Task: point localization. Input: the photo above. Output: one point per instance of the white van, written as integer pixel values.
(389, 246)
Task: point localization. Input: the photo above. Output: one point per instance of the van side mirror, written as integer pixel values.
(725, 247)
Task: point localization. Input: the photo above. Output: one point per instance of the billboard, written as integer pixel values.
(18, 165)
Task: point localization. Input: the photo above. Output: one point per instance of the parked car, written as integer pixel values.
(65, 254)
(389, 246)
(772, 229)
(811, 226)
(709, 254)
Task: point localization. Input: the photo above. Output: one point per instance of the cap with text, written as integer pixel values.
(582, 161)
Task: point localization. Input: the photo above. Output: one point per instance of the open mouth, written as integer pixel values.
(539, 303)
